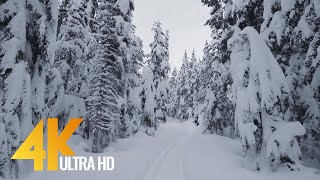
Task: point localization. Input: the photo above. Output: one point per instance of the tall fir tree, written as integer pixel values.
(155, 82)
(132, 57)
(173, 96)
(193, 83)
(105, 79)
(159, 64)
(183, 90)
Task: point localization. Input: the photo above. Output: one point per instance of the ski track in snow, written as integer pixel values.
(153, 171)
(177, 152)
(161, 166)
(172, 156)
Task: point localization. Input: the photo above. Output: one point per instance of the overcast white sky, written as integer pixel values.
(183, 18)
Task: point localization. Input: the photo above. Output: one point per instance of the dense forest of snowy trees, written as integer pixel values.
(76, 58)
(258, 80)
(263, 60)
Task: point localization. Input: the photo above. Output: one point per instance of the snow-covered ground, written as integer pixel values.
(177, 152)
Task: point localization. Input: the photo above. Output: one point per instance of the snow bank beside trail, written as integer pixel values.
(177, 152)
(215, 157)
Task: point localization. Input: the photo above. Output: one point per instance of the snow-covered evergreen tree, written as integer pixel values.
(290, 28)
(193, 83)
(132, 58)
(173, 96)
(131, 111)
(222, 28)
(73, 59)
(183, 90)
(43, 37)
(159, 64)
(28, 32)
(72, 42)
(262, 98)
(243, 13)
(148, 101)
(105, 79)
(215, 111)
(187, 87)
(154, 89)
(15, 112)
(311, 99)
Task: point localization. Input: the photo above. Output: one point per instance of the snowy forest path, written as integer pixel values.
(172, 156)
(178, 151)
